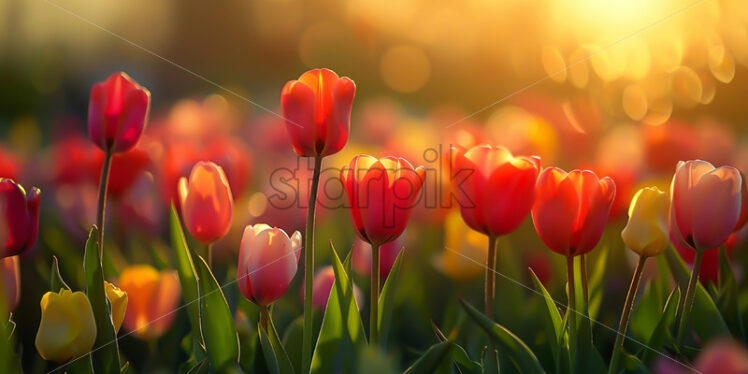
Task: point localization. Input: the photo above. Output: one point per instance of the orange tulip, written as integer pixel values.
(152, 297)
(571, 209)
(705, 204)
(382, 193)
(207, 205)
(498, 192)
(317, 109)
(10, 276)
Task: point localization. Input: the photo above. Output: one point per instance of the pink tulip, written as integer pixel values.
(268, 260)
(117, 113)
(207, 205)
(10, 276)
(705, 204)
(317, 109)
(324, 278)
(19, 217)
(388, 252)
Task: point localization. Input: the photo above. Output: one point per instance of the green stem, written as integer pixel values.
(306, 350)
(690, 293)
(571, 310)
(209, 254)
(264, 317)
(374, 297)
(490, 281)
(625, 314)
(81, 365)
(103, 186)
(583, 273)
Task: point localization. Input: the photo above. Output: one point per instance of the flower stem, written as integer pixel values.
(103, 186)
(625, 314)
(374, 299)
(583, 274)
(571, 309)
(688, 301)
(306, 350)
(209, 254)
(490, 281)
(264, 317)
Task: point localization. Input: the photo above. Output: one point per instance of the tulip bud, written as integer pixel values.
(118, 299)
(571, 209)
(117, 113)
(207, 205)
(10, 276)
(268, 260)
(646, 232)
(67, 329)
(705, 204)
(324, 278)
(382, 194)
(317, 109)
(152, 297)
(497, 194)
(19, 217)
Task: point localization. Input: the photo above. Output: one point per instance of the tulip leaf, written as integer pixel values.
(56, 283)
(459, 356)
(341, 336)
(216, 321)
(727, 299)
(276, 356)
(631, 364)
(519, 353)
(661, 332)
(432, 359)
(292, 341)
(186, 271)
(387, 300)
(705, 317)
(105, 354)
(554, 325)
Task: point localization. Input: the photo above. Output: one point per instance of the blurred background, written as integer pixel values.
(626, 88)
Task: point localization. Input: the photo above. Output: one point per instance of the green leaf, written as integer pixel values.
(521, 355)
(292, 341)
(632, 364)
(661, 332)
(341, 336)
(275, 355)
(596, 282)
(216, 322)
(186, 271)
(105, 354)
(458, 353)
(727, 301)
(56, 283)
(271, 360)
(705, 317)
(387, 300)
(432, 359)
(554, 325)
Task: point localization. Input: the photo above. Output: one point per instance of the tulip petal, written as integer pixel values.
(555, 209)
(297, 106)
(716, 207)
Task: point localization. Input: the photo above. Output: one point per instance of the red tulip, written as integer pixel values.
(117, 113)
(127, 167)
(381, 193)
(361, 258)
(10, 279)
(571, 209)
(207, 205)
(317, 109)
(324, 278)
(705, 204)
(8, 165)
(19, 217)
(75, 160)
(498, 192)
(268, 260)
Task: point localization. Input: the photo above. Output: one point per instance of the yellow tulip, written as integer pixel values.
(118, 299)
(646, 232)
(67, 329)
(465, 250)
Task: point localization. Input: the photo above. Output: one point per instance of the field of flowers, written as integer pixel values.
(600, 229)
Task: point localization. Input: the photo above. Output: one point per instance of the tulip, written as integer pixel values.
(465, 249)
(324, 278)
(361, 257)
(152, 297)
(705, 208)
(19, 217)
(10, 276)
(646, 233)
(382, 193)
(569, 214)
(317, 110)
(118, 300)
(207, 205)
(498, 196)
(127, 167)
(117, 112)
(268, 260)
(9, 165)
(67, 329)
